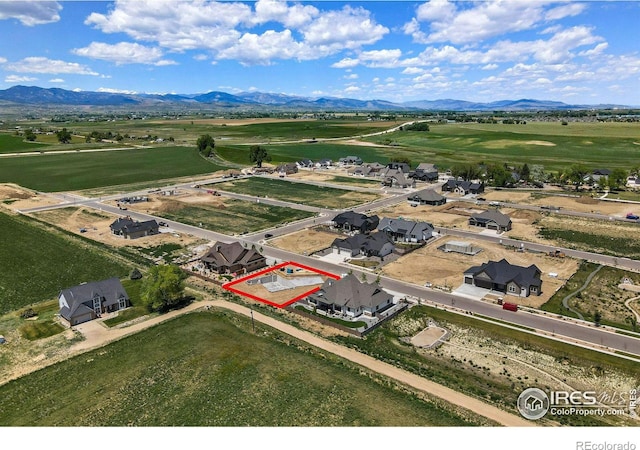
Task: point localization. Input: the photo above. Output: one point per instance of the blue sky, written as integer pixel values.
(576, 52)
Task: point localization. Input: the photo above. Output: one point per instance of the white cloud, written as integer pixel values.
(18, 79)
(123, 53)
(30, 13)
(352, 89)
(572, 9)
(489, 67)
(3, 60)
(436, 10)
(387, 58)
(200, 57)
(115, 91)
(56, 80)
(351, 76)
(39, 64)
(345, 63)
(224, 29)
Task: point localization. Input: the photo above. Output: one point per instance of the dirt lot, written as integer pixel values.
(305, 241)
(97, 225)
(428, 264)
(15, 197)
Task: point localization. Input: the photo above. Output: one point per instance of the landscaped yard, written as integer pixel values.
(320, 196)
(209, 369)
(37, 261)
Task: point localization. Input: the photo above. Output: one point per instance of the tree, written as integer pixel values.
(616, 179)
(29, 135)
(205, 143)
(597, 317)
(163, 287)
(576, 174)
(525, 172)
(64, 136)
(258, 154)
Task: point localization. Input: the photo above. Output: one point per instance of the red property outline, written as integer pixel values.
(229, 286)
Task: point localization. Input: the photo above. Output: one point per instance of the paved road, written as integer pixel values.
(543, 322)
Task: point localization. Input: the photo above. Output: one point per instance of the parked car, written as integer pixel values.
(268, 235)
(163, 224)
(631, 216)
(482, 199)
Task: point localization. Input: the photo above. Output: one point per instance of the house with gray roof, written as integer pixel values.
(351, 298)
(395, 178)
(88, 301)
(132, 229)
(463, 187)
(491, 219)
(406, 230)
(427, 197)
(232, 259)
(350, 160)
(353, 221)
(367, 170)
(374, 244)
(507, 278)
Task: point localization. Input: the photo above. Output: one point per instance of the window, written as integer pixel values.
(512, 288)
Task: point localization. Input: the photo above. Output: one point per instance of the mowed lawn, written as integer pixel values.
(209, 369)
(37, 262)
(236, 217)
(289, 191)
(68, 172)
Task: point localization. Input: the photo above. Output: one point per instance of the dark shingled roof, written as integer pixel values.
(223, 255)
(492, 215)
(502, 272)
(348, 291)
(110, 290)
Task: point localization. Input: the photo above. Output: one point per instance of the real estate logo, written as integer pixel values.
(533, 403)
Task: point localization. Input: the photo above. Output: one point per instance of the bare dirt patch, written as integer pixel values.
(96, 224)
(543, 143)
(15, 197)
(428, 336)
(305, 241)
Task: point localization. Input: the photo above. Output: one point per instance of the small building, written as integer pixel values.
(305, 164)
(507, 278)
(401, 166)
(374, 244)
(427, 197)
(88, 301)
(396, 178)
(406, 230)
(491, 219)
(232, 259)
(287, 169)
(132, 229)
(351, 298)
(353, 221)
(464, 247)
(367, 170)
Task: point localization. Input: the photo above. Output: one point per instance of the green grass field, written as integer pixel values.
(52, 173)
(209, 369)
(10, 143)
(320, 196)
(237, 216)
(37, 262)
(550, 144)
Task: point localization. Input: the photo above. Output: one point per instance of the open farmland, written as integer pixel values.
(10, 143)
(77, 171)
(550, 144)
(195, 370)
(29, 253)
(320, 196)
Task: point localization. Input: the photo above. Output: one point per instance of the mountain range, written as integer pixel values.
(37, 96)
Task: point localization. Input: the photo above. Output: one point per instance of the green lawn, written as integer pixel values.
(237, 216)
(320, 196)
(68, 172)
(209, 369)
(36, 262)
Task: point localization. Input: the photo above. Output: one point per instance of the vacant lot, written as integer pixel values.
(71, 172)
(10, 143)
(305, 241)
(220, 214)
(36, 262)
(320, 196)
(335, 176)
(196, 371)
(446, 269)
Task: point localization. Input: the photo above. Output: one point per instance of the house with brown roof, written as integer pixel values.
(232, 259)
(351, 298)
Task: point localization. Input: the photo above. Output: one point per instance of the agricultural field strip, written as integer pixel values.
(415, 381)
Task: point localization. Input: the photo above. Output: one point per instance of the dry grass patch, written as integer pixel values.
(305, 241)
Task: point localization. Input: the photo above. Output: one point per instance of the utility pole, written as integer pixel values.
(253, 324)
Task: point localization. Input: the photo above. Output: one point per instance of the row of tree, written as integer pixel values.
(257, 153)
